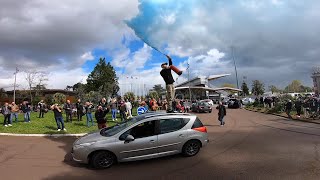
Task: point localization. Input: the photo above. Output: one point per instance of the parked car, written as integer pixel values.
(233, 103)
(149, 135)
(201, 107)
(246, 101)
(209, 101)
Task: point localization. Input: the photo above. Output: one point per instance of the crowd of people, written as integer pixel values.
(308, 106)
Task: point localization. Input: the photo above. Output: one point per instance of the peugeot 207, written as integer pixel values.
(147, 136)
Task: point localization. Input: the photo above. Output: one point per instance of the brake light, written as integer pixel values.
(201, 129)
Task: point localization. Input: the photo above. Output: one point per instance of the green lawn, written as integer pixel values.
(48, 125)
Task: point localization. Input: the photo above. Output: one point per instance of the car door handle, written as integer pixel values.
(152, 141)
(181, 135)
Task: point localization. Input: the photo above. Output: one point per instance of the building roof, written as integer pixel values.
(209, 89)
(202, 79)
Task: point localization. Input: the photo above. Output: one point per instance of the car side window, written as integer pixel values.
(171, 125)
(142, 130)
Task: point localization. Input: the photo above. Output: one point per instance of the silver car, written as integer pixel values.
(147, 136)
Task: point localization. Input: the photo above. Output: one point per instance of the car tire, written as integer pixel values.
(103, 160)
(191, 148)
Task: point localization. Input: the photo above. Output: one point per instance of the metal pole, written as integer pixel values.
(235, 66)
(189, 81)
(14, 85)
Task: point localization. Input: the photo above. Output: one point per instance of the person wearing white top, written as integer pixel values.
(128, 108)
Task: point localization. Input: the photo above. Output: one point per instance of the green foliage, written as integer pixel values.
(36, 100)
(59, 98)
(103, 79)
(245, 89)
(48, 99)
(154, 95)
(159, 89)
(130, 96)
(274, 89)
(92, 96)
(257, 87)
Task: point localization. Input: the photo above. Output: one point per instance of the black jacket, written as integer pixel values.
(222, 110)
(100, 116)
(68, 108)
(166, 74)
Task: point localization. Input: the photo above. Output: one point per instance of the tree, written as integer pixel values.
(228, 85)
(274, 89)
(129, 96)
(153, 94)
(80, 90)
(257, 87)
(36, 80)
(59, 98)
(294, 86)
(158, 88)
(103, 79)
(245, 89)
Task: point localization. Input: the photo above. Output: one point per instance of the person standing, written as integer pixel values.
(14, 112)
(100, 117)
(57, 110)
(42, 107)
(89, 108)
(26, 109)
(289, 108)
(79, 107)
(221, 113)
(103, 103)
(298, 106)
(114, 109)
(167, 77)
(7, 114)
(122, 109)
(129, 108)
(68, 109)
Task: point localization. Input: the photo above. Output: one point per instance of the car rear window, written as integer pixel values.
(171, 125)
(197, 123)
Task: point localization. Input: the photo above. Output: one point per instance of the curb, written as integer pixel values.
(301, 120)
(43, 135)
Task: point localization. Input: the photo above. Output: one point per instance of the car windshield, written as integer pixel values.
(110, 131)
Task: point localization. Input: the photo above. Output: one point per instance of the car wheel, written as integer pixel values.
(191, 148)
(102, 160)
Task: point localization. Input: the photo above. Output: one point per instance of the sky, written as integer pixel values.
(274, 41)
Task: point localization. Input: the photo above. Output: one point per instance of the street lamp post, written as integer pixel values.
(189, 81)
(14, 85)
(235, 66)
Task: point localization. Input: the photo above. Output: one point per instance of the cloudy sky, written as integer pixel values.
(275, 41)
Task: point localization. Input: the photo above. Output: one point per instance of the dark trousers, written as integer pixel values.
(298, 111)
(6, 120)
(288, 113)
(123, 115)
(41, 114)
(68, 116)
(101, 125)
(59, 120)
(79, 115)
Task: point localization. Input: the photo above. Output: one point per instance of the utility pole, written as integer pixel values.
(235, 66)
(189, 81)
(14, 85)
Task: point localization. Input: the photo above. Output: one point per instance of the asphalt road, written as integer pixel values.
(250, 146)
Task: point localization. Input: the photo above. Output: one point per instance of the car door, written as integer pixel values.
(143, 146)
(172, 135)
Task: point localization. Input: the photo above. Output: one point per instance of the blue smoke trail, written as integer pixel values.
(150, 10)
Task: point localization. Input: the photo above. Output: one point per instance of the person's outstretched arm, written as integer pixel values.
(170, 60)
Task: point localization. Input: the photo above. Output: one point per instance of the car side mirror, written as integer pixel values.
(129, 138)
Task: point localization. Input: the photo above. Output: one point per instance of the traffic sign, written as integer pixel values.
(141, 110)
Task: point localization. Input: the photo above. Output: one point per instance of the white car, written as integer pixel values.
(246, 101)
(209, 101)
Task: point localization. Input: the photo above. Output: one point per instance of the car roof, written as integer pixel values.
(160, 114)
